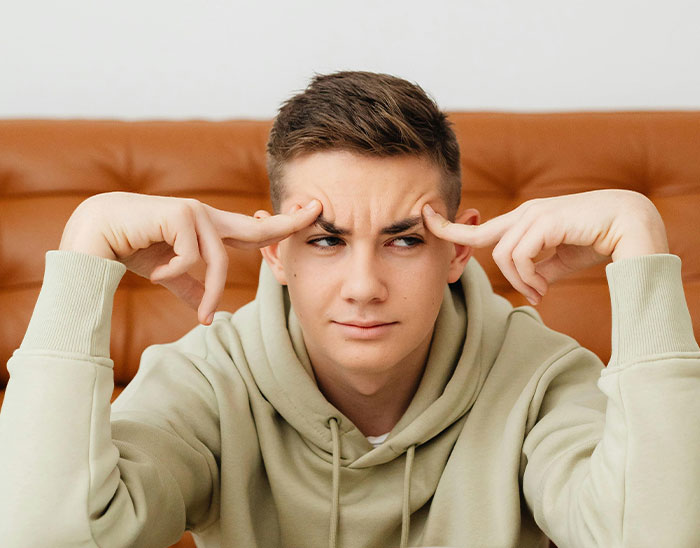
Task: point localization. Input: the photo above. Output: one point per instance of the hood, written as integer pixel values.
(457, 366)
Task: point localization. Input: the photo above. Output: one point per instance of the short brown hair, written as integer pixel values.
(367, 113)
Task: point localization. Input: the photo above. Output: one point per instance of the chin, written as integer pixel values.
(368, 361)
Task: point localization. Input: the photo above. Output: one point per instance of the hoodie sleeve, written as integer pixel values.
(622, 468)
(70, 475)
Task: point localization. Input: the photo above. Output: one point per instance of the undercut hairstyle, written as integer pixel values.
(366, 113)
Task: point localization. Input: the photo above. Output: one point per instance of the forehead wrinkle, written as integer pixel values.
(395, 228)
(403, 225)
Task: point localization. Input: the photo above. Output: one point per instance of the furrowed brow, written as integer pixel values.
(403, 225)
(330, 227)
(395, 228)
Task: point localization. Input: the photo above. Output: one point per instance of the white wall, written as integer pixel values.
(137, 59)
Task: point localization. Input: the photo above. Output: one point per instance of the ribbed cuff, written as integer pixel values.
(74, 310)
(649, 311)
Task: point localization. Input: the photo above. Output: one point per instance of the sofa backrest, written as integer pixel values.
(47, 167)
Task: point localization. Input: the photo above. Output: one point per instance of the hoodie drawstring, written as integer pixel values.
(335, 502)
(406, 512)
(336, 482)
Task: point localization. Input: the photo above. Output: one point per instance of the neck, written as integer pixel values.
(373, 401)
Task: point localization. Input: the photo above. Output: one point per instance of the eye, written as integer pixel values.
(325, 242)
(406, 242)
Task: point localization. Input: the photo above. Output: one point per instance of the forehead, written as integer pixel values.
(347, 182)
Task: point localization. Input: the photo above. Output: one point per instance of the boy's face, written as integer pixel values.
(366, 281)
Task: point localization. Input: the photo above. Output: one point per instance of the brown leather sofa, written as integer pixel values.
(48, 167)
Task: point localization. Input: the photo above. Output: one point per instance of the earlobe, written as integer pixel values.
(270, 254)
(462, 252)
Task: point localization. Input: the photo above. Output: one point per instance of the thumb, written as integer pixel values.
(186, 288)
(566, 260)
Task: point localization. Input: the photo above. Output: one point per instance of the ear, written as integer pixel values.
(462, 252)
(271, 254)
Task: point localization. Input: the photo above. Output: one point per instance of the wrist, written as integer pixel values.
(87, 248)
(83, 238)
(643, 235)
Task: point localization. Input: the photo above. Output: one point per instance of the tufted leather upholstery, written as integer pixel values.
(48, 167)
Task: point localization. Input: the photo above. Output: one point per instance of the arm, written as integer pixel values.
(68, 476)
(616, 466)
(629, 477)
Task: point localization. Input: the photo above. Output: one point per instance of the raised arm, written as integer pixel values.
(69, 476)
(625, 471)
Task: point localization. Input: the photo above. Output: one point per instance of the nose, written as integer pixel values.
(363, 278)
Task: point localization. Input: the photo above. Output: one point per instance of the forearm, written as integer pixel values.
(64, 480)
(637, 483)
(653, 389)
(56, 411)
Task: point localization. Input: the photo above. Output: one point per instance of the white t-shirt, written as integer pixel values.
(377, 440)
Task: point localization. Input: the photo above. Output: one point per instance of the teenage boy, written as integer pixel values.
(376, 392)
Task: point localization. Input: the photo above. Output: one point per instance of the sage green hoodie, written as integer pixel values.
(515, 430)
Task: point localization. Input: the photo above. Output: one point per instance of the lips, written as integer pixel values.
(357, 323)
(365, 330)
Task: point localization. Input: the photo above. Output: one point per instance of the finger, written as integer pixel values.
(214, 254)
(260, 214)
(552, 269)
(185, 288)
(566, 260)
(266, 230)
(527, 248)
(180, 233)
(482, 235)
(503, 257)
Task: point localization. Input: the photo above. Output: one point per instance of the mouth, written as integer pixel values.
(364, 330)
(364, 324)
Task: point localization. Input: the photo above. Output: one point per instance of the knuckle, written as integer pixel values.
(531, 215)
(520, 255)
(505, 266)
(192, 202)
(188, 260)
(499, 254)
(185, 210)
(646, 202)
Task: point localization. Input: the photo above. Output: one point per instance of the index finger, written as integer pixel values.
(482, 235)
(267, 230)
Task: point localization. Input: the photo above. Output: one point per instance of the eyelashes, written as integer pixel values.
(329, 243)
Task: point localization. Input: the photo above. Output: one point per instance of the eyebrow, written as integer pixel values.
(396, 228)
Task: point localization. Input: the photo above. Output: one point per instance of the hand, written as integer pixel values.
(545, 239)
(161, 238)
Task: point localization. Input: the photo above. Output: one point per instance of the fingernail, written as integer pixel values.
(210, 318)
(310, 205)
(429, 210)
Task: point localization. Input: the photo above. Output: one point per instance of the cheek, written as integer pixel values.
(299, 266)
(431, 267)
(419, 283)
(307, 280)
